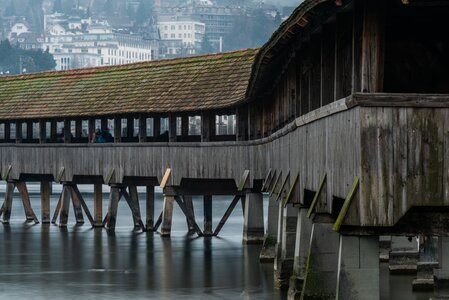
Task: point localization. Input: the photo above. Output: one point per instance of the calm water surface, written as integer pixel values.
(46, 262)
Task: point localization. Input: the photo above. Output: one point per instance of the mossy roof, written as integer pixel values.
(195, 83)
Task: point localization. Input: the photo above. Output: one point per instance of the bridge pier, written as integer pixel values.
(285, 247)
(303, 232)
(190, 212)
(403, 255)
(65, 203)
(253, 228)
(320, 278)
(441, 274)
(428, 261)
(269, 244)
(358, 268)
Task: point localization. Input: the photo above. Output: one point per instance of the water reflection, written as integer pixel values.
(45, 261)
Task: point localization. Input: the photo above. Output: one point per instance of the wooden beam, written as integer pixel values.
(98, 205)
(190, 212)
(42, 131)
(133, 202)
(78, 128)
(57, 209)
(373, 44)
(64, 215)
(91, 130)
(45, 202)
(345, 208)
(142, 128)
(67, 131)
(117, 129)
(29, 125)
(114, 198)
(129, 127)
(18, 132)
(226, 215)
(77, 194)
(184, 125)
(317, 196)
(156, 126)
(207, 204)
(149, 208)
(7, 131)
(343, 55)
(76, 206)
(172, 128)
(29, 212)
(53, 131)
(7, 205)
(191, 220)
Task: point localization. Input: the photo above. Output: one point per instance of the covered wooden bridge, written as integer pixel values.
(341, 117)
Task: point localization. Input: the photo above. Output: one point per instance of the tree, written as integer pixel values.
(10, 10)
(57, 6)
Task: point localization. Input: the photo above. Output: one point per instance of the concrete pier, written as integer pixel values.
(303, 233)
(253, 228)
(320, 279)
(403, 255)
(441, 274)
(428, 261)
(269, 244)
(358, 268)
(285, 247)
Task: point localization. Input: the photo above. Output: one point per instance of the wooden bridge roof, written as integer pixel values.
(184, 84)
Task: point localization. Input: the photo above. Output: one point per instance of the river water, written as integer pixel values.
(48, 262)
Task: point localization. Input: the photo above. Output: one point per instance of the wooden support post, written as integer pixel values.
(117, 129)
(190, 212)
(142, 128)
(76, 206)
(42, 132)
(104, 123)
(10, 186)
(156, 126)
(150, 208)
(67, 131)
(242, 123)
(29, 135)
(57, 209)
(158, 221)
(114, 198)
(45, 202)
(53, 131)
(98, 205)
(343, 56)
(172, 128)
(29, 213)
(328, 65)
(226, 215)
(207, 201)
(78, 128)
(91, 129)
(133, 202)
(18, 132)
(65, 203)
(373, 44)
(7, 131)
(184, 126)
(207, 126)
(129, 127)
(167, 214)
(190, 220)
(76, 194)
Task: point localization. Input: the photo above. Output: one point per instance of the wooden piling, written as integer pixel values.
(114, 198)
(29, 213)
(98, 205)
(167, 215)
(65, 203)
(57, 209)
(190, 213)
(207, 202)
(76, 194)
(76, 206)
(45, 202)
(133, 202)
(10, 186)
(150, 207)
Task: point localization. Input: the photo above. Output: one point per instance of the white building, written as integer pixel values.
(94, 45)
(18, 28)
(191, 33)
